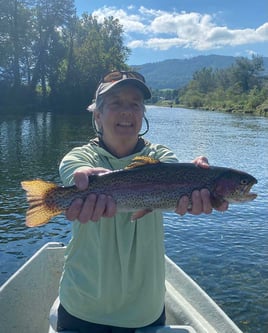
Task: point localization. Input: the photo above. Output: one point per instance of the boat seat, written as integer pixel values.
(154, 329)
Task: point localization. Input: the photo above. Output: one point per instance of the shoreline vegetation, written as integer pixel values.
(241, 88)
(261, 110)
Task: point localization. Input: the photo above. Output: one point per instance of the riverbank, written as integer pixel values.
(261, 110)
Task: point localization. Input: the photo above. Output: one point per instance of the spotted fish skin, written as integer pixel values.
(145, 184)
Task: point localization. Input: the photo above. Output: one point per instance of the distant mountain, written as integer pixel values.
(175, 73)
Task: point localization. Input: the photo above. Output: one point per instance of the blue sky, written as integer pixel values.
(159, 30)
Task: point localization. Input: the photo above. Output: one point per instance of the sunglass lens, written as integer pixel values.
(135, 75)
(116, 76)
(112, 76)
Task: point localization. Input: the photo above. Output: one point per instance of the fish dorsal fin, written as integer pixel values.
(140, 161)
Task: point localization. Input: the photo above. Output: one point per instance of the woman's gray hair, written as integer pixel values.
(99, 103)
(97, 106)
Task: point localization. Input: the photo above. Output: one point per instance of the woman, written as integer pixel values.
(113, 278)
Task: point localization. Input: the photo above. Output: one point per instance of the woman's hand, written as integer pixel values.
(95, 206)
(200, 199)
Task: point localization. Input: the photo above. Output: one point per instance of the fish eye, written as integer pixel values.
(243, 182)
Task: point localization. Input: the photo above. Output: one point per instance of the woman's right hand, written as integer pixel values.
(94, 206)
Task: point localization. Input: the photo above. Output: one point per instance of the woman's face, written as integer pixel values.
(122, 114)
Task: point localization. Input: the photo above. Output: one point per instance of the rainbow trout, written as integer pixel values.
(145, 184)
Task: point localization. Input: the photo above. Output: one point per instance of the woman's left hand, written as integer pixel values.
(200, 199)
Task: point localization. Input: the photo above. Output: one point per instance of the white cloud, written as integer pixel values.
(136, 43)
(130, 22)
(161, 30)
(150, 12)
(262, 32)
(163, 43)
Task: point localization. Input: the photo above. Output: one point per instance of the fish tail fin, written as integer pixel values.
(39, 212)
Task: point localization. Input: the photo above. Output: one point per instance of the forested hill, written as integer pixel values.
(176, 73)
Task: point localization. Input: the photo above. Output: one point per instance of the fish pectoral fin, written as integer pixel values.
(139, 161)
(140, 213)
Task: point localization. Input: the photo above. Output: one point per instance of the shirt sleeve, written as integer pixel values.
(162, 153)
(76, 158)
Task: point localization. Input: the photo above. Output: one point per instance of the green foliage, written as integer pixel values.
(237, 88)
(58, 58)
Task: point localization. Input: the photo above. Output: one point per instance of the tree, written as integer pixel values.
(48, 52)
(14, 27)
(245, 72)
(51, 17)
(205, 80)
(97, 47)
(239, 87)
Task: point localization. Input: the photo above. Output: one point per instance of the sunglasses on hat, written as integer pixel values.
(119, 75)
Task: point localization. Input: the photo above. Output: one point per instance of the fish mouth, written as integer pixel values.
(242, 194)
(248, 194)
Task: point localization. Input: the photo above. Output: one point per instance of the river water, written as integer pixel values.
(226, 253)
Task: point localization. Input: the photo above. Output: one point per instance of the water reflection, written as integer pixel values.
(31, 147)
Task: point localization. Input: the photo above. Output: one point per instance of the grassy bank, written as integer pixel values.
(261, 110)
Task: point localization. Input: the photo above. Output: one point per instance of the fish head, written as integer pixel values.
(234, 186)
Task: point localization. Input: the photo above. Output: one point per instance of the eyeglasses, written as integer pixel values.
(119, 75)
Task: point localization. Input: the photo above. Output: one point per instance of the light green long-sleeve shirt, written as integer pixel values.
(114, 269)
